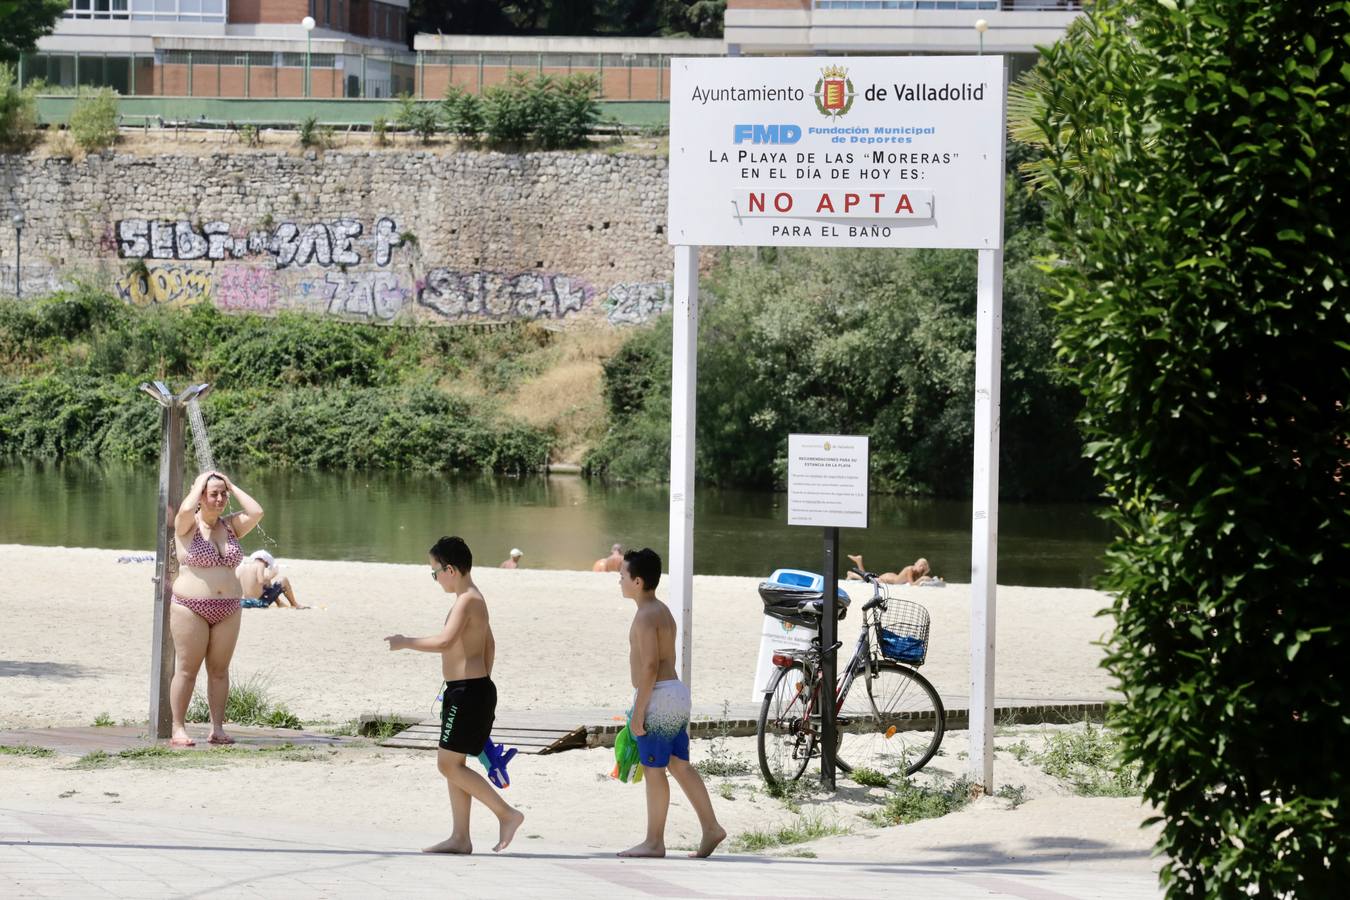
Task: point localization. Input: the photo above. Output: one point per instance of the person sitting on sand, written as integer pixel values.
(204, 618)
(610, 563)
(915, 573)
(659, 720)
(512, 561)
(263, 582)
(469, 700)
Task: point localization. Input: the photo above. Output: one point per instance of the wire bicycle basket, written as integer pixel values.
(902, 632)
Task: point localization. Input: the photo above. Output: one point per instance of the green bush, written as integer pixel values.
(579, 110)
(1196, 189)
(18, 113)
(418, 116)
(506, 111)
(308, 134)
(93, 122)
(292, 389)
(463, 113)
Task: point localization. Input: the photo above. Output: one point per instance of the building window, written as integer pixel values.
(160, 10)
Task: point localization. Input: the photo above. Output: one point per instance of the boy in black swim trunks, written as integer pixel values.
(470, 700)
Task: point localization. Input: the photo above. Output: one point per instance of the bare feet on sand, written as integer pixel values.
(219, 737)
(645, 850)
(451, 844)
(507, 830)
(181, 739)
(709, 843)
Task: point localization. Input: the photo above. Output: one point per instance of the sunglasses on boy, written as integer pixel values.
(436, 572)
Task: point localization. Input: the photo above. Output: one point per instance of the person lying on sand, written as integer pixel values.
(915, 573)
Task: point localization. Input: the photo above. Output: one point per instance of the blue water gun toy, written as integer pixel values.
(494, 758)
(626, 756)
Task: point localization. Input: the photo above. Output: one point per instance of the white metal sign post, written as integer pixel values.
(832, 152)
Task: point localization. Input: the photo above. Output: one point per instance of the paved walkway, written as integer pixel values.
(89, 852)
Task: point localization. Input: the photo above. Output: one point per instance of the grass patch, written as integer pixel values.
(103, 720)
(869, 777)
(790, 792)
(380, 728)
(1017, 794)
(1089, 760)
(20, 750)
(248, 703)
(911, 802)
(160, 756)
(805, 828)
(721, 760)
(97, 759)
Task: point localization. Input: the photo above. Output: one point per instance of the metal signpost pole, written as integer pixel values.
(828, 631)
(984, 487)
(984, 516)
(683, 417)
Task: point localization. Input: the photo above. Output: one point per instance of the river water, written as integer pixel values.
(560, 522)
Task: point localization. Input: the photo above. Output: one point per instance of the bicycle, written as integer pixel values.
(889, 718)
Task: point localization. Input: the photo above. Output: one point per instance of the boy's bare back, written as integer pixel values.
(469, 654)
(652, 635)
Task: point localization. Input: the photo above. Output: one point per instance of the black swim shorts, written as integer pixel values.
(467, 710)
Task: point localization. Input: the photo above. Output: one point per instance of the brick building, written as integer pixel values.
(233, 48)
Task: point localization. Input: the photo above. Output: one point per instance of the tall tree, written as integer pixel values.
(22, 22)
(1196, 190)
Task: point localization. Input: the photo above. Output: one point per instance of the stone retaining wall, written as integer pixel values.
(368, 236)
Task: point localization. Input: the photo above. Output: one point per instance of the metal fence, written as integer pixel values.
(252, 74)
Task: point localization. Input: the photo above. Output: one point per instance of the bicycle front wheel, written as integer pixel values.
(786, 737)
(891, 722)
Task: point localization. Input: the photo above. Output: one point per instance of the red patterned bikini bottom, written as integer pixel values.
(213, 609)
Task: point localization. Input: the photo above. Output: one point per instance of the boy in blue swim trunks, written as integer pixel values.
(469, 703)
(660, 717)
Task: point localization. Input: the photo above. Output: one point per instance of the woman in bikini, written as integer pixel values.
(205, 616)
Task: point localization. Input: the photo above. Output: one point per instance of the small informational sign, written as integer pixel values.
(827, 480)
(858, 151)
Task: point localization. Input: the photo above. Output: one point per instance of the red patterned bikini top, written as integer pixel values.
(203, 554)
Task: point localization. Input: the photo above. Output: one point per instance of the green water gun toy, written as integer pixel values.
(626, 755)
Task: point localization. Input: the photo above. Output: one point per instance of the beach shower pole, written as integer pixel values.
(170, 491)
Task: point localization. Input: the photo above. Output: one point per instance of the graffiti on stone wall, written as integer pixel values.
(372, 296)
(246, 289)
(635, 304)
(341, 242)
(496, 296)
(170, 286)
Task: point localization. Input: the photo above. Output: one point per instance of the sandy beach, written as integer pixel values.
(76, 641)
(77, 635)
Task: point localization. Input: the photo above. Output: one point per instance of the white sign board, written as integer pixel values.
(827, 480)
(859, 151)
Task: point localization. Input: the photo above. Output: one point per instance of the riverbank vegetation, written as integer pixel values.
(851, 341)
(836, 341)
(293, 390)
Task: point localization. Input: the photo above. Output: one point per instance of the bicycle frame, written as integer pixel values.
(861, 654)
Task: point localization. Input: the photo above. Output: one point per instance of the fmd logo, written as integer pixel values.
(767, 134)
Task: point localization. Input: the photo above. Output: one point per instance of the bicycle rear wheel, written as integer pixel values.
(786, 738)
(892, 722)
